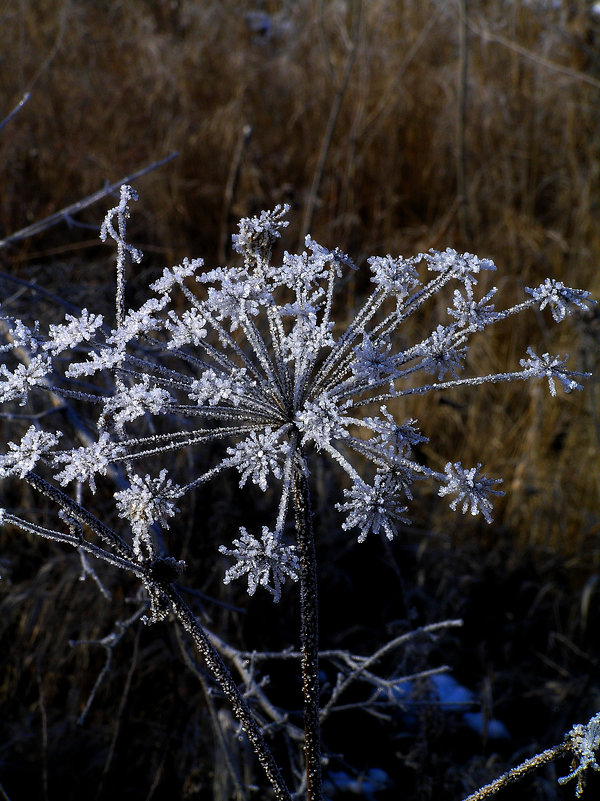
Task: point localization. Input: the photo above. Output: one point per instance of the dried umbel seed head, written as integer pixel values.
(253, 357)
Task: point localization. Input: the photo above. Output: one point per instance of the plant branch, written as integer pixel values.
(221, 673)
(74, 208)
(15, 110)
(169, 595)
(521, 770)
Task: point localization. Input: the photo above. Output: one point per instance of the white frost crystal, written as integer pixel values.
(22, 458)
(263, 561)
(249, 358)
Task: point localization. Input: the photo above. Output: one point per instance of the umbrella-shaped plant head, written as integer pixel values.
(252, 356)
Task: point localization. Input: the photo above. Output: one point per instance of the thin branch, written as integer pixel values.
(15, 110)
(216, 724)
(224, 679)
(108, 643)
(3, 793)
(81, 515)
(487, 36)
(169, 598)
(56, 299)
(240, 660)
(121, 709)
(379, 654)
(517, 773)
(74, 208)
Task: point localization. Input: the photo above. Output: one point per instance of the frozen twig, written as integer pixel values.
(582, 741)
(367, 662)
(75, 208)
(15, 110)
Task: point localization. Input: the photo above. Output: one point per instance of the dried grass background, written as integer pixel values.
(390, 127)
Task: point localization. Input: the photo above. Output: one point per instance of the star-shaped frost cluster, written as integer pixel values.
(584, 742)
(266, 562)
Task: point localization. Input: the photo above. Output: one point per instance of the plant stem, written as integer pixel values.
(183, 614)
(309, 619)
(517, 773)
(230, 689)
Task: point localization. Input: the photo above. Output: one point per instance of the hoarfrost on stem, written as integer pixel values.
(373, 508)
(147, 501)
(84, 463)
(552, 367)
(18, 384)
(585, 745)
(560, 298)
(258, 457)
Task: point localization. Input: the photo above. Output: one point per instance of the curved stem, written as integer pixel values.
(180, 609)
(308, 634)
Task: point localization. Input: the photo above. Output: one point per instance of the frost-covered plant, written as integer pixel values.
(257, 360)
(585, 746)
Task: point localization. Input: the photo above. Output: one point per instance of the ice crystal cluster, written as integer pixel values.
(251, 355)
(585, 746)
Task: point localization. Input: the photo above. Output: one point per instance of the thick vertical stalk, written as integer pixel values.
(230, 689)
(309, 619)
